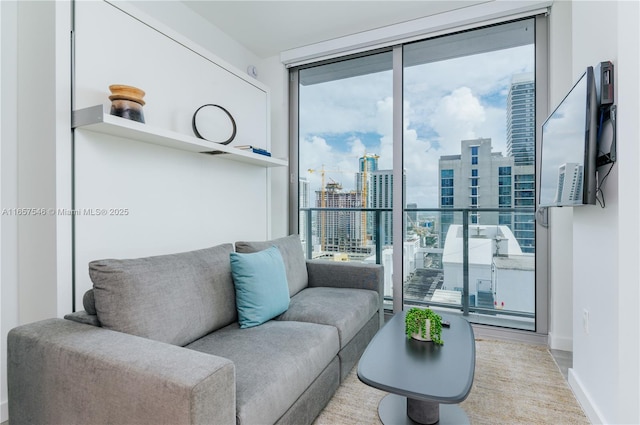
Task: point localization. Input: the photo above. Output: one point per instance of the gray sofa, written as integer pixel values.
(159, 343)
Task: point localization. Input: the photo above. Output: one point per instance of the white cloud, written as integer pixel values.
(384, 120)
(320, 157)
(357, 148)
(457, 116)
(495, 128)
(344, 105)
(384, 116)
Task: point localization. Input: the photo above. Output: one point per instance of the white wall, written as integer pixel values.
(560, 249)
(35, 116)
(605, 374)
(43, 179)
(8, 187)
(273, 73)
(191, 25)
(628, 354)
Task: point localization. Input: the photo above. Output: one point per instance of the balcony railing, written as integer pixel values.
(501, 273)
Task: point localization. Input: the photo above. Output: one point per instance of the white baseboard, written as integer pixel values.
(560, 343)
(505, 334)
(590, 409)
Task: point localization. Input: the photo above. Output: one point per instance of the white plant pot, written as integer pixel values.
(428, 333)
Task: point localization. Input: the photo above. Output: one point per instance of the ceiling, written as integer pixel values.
(267, 28)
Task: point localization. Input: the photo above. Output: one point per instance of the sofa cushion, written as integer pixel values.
(83, 317)
(261, 286)
(175, 298)
(275, 363)
(291, 249)
(89, 302)
(345, 308)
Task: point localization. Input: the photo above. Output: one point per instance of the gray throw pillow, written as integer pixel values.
(175, 298)
(291, 249)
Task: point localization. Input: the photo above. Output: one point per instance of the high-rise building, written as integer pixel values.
(524, 196)
(368, 163)
(477, 178)
(480, 178)
(381, 196)
(521, 131)
(340, 231)
(521, 119)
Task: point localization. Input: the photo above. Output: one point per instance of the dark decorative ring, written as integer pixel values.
(197, 133)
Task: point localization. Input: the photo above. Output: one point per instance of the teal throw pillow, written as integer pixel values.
(260, 280)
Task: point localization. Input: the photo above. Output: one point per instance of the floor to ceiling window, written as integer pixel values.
(469, 156)
(345, 157)
(468, 176)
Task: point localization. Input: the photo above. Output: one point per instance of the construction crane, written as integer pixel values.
(421, 231)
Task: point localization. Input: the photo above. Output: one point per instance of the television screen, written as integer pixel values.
(569, 148)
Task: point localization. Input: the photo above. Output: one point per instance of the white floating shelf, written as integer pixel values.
(95, 119)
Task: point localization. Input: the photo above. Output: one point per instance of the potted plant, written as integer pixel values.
(416, 322)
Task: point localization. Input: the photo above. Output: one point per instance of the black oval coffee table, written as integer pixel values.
(426, 381)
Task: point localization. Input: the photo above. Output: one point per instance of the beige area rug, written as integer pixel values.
(513, 384)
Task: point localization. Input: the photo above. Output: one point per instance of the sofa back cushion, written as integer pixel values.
(175, 298)
(291, 249)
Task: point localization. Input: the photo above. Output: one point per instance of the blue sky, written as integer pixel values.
(340, 141)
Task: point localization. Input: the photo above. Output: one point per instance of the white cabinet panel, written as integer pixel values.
(136, 199)
(114, 48)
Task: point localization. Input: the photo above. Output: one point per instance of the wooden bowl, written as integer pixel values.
(123, 92)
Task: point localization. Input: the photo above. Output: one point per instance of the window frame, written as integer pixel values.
(541, 99)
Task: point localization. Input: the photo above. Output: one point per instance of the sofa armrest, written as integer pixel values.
(61, 371)
(348, 275)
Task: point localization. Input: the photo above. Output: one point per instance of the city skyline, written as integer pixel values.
(439, 112)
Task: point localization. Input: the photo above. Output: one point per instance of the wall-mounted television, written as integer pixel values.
(570, 147)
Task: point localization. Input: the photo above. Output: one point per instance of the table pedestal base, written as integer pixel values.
(392, 410)
(423, 412)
